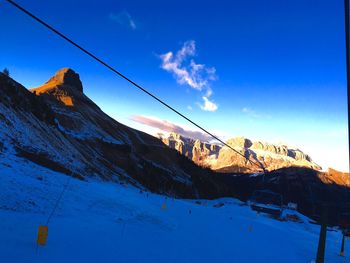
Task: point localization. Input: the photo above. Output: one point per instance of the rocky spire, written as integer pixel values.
(66, 76)
(65, 86)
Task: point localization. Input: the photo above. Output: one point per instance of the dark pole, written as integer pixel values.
(347, 48)
(342, 245)
(322, 241)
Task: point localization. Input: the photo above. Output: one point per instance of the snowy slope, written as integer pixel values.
(59, 127)
(108, 222)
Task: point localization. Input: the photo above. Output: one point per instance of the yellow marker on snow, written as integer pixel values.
(164, 206)
(42, 235)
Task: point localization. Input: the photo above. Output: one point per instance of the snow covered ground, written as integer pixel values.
(107, 222)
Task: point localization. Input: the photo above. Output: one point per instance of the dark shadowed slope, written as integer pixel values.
(58, 126)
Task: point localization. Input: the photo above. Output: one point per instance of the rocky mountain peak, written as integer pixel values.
(240, 142)
(223, 159)
(176, 136)
(66, 77)
(65, 86)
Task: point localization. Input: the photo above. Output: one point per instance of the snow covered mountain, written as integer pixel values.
(223, 159)
(58, 126)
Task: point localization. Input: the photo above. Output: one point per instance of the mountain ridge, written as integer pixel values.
(80, 140)
(223, 159)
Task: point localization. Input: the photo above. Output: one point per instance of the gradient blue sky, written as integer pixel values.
(279, 65)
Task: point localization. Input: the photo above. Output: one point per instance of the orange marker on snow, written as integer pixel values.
(42, 235)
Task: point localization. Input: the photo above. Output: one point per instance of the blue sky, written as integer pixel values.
(267, 70)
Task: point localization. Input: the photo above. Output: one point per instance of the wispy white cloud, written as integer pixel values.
(208, 105)
(252, 113)
(123, 18)
(187, 72)
(168, 126)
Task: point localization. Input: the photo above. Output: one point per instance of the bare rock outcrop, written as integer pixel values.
(246, 156)
(240, 142)
(333, 176)
(201, 153)
(65, 86)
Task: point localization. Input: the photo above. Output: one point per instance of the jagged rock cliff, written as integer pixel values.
(200, 152)
(224, 159)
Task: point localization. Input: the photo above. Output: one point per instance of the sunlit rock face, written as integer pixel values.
(247, 156)
(65, 86)
(333, 176)
(240, 142)
(68, 77)
(200, 152)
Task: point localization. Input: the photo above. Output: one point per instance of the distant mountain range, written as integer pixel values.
(58, 127)
(223, 159)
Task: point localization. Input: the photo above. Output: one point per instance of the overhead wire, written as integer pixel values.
(59, 199)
